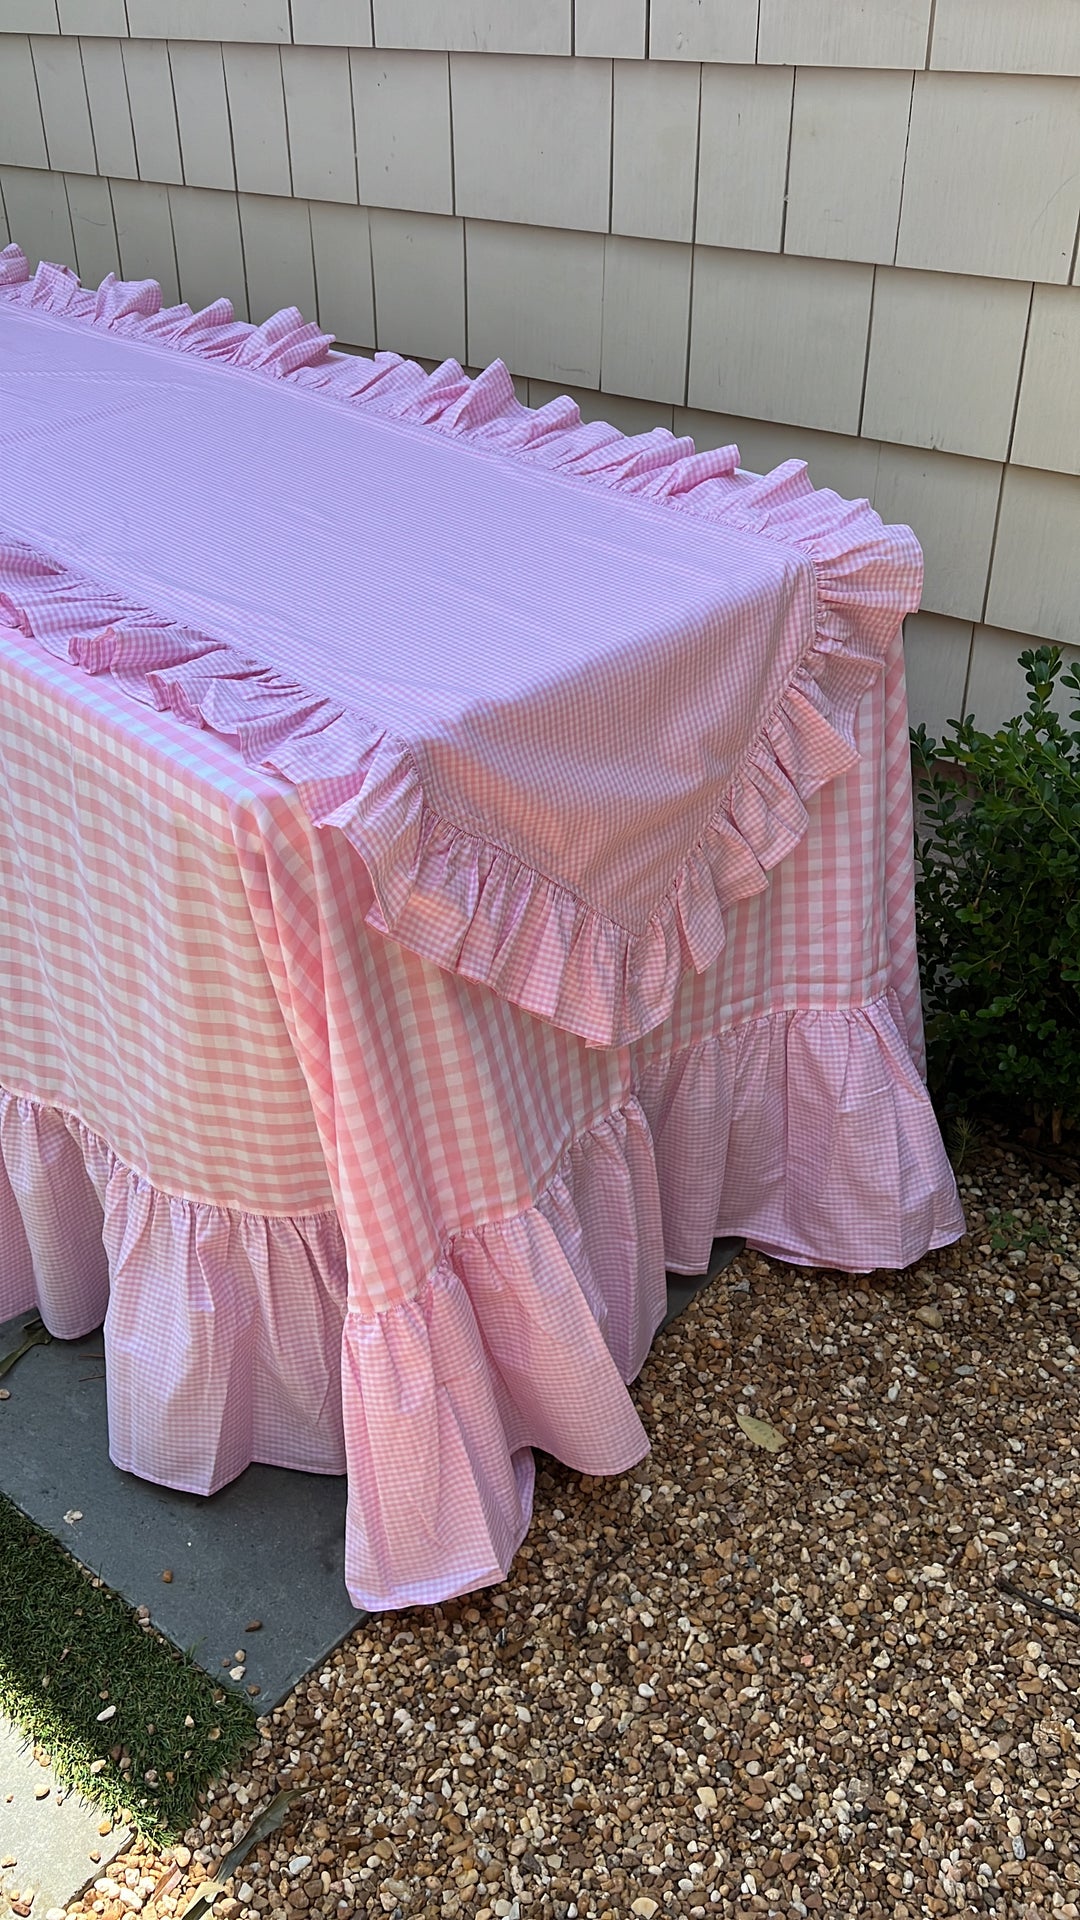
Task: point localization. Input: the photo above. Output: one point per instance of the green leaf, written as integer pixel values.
(998, 902)
(760, 1432)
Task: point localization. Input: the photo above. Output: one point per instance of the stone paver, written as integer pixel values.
(48, 1835)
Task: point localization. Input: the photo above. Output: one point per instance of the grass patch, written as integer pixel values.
(70, 1648)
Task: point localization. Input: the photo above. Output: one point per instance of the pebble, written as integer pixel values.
(729, 1682)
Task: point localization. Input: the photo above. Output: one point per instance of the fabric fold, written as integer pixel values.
(229, 1337)
(821, 1145)
(228, 1340)
(533, 936)
(523, 1336)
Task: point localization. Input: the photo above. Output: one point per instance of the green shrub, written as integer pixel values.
(998, 902)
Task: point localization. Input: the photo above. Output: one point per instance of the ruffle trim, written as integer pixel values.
(228, 1340)
(222, 1326)
(524, 1336)
(519, 932)
(807, 1133)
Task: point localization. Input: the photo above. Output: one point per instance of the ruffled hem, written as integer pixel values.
(810, 1135)
(501, 923)
(227, 1341)
(523, 1337)
(222, 1328)
(227, 1335)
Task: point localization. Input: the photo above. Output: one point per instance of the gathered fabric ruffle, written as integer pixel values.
(524, 934)
(222, 1328)
(819, 1140)
(522, 1337)
(229, 1337)
(228, 1341)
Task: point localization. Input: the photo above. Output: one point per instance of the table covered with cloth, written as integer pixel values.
(455, 861)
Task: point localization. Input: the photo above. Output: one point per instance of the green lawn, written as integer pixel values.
(69, 1650)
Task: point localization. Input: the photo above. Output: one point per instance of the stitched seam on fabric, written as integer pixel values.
(840, 1008)
(480, 836)
(189, 1199)
(603, 1121)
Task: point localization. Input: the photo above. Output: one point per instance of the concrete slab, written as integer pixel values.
(47, 1833)
(270, 1547)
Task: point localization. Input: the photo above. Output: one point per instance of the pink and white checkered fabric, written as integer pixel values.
(443, 617)
(327, 1168)
(185, 961)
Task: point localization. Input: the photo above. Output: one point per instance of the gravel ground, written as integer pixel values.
(736, 1682)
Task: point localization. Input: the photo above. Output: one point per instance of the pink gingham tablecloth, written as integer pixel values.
(359, 1210)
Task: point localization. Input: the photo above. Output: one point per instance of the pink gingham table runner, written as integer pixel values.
(566, 693)
(359, 1210)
